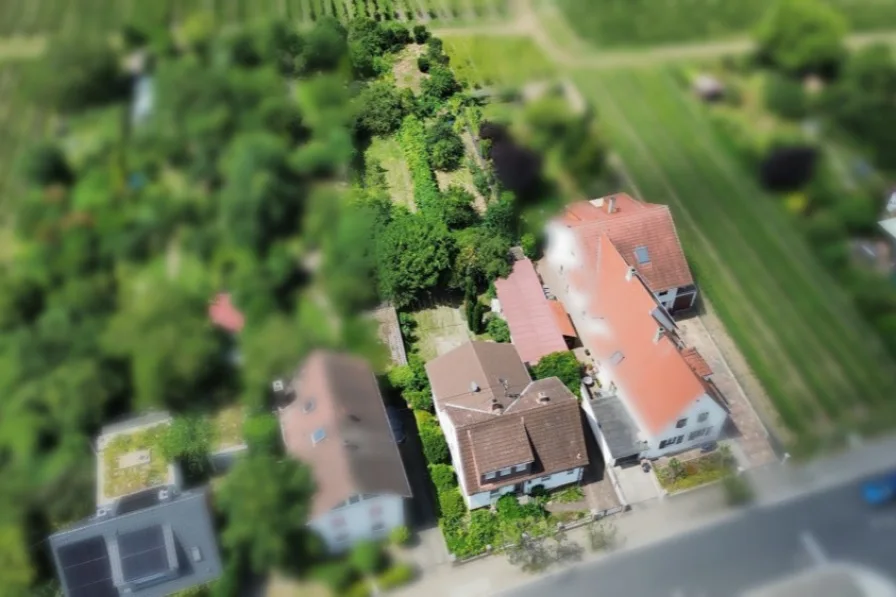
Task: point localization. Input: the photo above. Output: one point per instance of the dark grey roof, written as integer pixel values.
(167, 546)
(616, 425)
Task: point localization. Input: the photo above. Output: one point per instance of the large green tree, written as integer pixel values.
(266, 502)
(802, 36)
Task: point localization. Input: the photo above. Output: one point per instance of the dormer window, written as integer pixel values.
(318, 436)
(489, 476)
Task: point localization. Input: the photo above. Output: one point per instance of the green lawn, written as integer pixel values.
(387, 152)
(619, 23)
(507, 60)
(816, 358)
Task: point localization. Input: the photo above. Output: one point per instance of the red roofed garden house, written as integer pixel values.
(651, 395)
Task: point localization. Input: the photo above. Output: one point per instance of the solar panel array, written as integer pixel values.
(143, 553)
(86, 568)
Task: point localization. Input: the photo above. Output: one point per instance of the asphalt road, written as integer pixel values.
(756, 547)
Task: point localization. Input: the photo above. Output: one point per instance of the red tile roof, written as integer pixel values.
(696, 362)
(654, 375)
(533, 325)
(562, 319)
(225, 315)
(632, 225)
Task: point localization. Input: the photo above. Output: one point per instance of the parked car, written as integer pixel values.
(880, 491)
(395, 423)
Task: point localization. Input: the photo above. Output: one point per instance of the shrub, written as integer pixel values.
(360, 588)
(367, 557)
(564, 365)
(400, 535)
(785, 97)
(412, 137)
(435, 448)
(737, 490)
(396, 576)
(482, 531)
(451, 505)
(423, 64)
(497, 328)
(421, 34)
(529, 245)
(442, 476)
(444, 146)
(418, 399)
(336, 575)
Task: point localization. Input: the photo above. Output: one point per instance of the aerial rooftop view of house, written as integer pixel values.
(538, 326)
(651, 386)
(150, 544)
(643, 233)
(335, 421)
(506, 433)
(129, 459)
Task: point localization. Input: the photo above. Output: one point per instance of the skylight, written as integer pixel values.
(318, 436)
(641, 255)
(616, 358)
(308, 406)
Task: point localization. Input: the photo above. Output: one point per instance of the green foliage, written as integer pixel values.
(266, 503)
(45, 164)
(435, 448)
(785, 96)
(413, 255)
(380, 109)
(189, 439)
(400, 535)
(359, 588)
(563, 365)
(412, 137)
(17, 570)
(411, 380)
(800, 36)
(439, 85)
(77, 75)
(679, 475)
(396, 576)
(421, 34)
(570, 495)
(498, 329)
(338, 575)
(457, 208)
(262, 434)
(501, 216)
(602, 535)
(324, 46)
(369, 40)
(423, 64)
(482, 255)
(529, 245)
(446, 150)
(737, 490)
(443, 477)
(366, 557)
(451, 505)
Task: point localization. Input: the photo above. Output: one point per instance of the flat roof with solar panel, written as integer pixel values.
(167, 546)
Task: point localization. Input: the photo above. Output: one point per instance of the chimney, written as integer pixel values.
(629, 274)
(543, 398)
(660, 332)
(474, 387)
(497, 408)
(611, 205)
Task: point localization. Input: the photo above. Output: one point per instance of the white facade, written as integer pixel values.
(487, 498)
(366, 517)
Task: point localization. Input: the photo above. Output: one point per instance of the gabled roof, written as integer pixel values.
(338, 425)
(643, 233)
(533, 325)
(156, 549)
(538, 421)
(653, 374)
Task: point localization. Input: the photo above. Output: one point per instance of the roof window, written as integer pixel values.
(318, 436)
(641, 255)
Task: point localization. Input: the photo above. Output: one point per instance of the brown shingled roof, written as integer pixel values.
(632, 225)
(540, 421)
(337, 395)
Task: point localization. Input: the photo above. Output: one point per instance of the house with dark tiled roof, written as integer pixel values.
(334, 420)
(643, 233)
(651, 395)
(506, 433)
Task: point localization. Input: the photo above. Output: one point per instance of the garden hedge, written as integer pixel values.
(412, 138)
(396, 576)
(451, 505)
(443, 477)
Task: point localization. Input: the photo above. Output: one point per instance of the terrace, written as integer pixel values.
(130, 459)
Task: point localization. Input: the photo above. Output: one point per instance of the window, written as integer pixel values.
(679, 439)
(337, 521)
(572, 472)
(641, 255)
(545, 479)
(671, 441)
(665, 443)
(701, 418)
(505, 471)
(354, 499)
(520, 468)
(318, 436)
(376, 511)
(681, 423)
(490, 476)
(663, 293)
(378, 527)
(699, 433)
(308, 406)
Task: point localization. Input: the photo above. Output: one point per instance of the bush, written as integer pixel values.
(435, 448)
(421, 34)
(360, 588)
(336, 575)
(529, 245)
(737, 490)
(418, 399)
(446, 150)
(396, 576)
(412, 137)
(400, 535)
(451, 505)
(443, 477)
(785, 97)
(423, 64)
(564, 365)
(498, 329)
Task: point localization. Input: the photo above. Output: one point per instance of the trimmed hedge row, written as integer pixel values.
(412, 138)
(435, 448)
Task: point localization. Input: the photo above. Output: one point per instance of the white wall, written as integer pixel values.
(343, 527)
(481, 500)
(668, 299)
(715, 422)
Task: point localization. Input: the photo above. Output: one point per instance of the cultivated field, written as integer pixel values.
(816, 358)
(84, 17)
(641, 22)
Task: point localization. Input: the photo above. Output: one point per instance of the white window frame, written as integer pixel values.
(520, 468)
(701, 418)
(491, 475)
(505, 471)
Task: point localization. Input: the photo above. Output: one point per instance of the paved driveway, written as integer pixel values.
(637, 486)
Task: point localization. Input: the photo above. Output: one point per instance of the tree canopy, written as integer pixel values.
(802, 36)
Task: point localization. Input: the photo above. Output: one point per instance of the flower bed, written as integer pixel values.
(678, 476)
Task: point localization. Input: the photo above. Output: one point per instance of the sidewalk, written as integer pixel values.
(645, 523)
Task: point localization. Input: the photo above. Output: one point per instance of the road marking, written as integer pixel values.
(812, 546)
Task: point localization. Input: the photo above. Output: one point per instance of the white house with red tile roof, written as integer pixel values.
(652, 392)
(645, 236)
